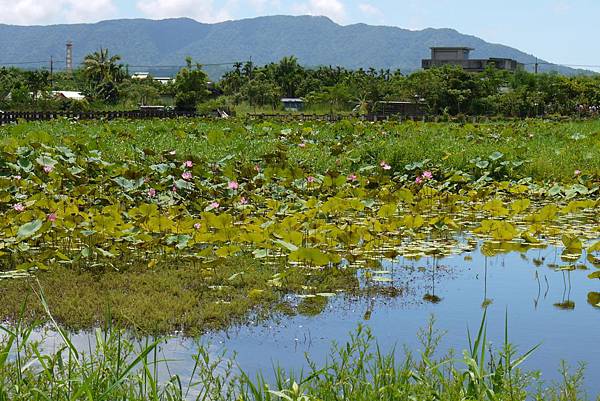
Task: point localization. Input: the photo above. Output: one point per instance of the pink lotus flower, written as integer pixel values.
(427, 175)
(19, 207)
(383, 164)
(418, 180)
(186, 175)
(257, 168)
(188, 164)
(302, 145)
(174, 188)
(577, 173)
(48, 169)
(214, 205)
(310, 179)
(352, 177)
(152, 192)
(197, 226)
(17, 177)
(52, 217)
(243, 201)
(233, 185)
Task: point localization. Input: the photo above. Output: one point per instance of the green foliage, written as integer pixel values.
(103, 73)
(298, 196)
(190, 86)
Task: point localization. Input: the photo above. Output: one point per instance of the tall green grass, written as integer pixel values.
(549, 150)
(116, 367)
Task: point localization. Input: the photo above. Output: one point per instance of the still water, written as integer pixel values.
(545, 305)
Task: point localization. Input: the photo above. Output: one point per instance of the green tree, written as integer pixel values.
(103, 73)
(191, 86)
(288, 74)
(261, 91)
(101, 66)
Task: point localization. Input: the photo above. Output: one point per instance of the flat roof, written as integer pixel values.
(451, 48)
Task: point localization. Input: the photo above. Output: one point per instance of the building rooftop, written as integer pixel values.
(74, 95)
(451, 48)
(459, 56)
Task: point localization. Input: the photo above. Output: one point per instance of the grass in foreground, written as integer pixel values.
(116, 368)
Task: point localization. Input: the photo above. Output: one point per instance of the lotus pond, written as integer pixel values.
(273, 239)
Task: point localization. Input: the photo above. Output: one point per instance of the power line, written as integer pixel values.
(29, 62)
(566, 65)
(15, 63)
(24, 62)
(181, 66)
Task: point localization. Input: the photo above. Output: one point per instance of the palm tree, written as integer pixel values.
(101, 67)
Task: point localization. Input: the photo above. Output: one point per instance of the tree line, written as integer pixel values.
(447, 90)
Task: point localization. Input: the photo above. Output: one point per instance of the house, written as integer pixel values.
(460, 56)
(164, 80)
(71, 95)
(292, 104)
(140, 75)
(146, 75)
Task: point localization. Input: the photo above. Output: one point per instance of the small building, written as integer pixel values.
(146, 107)
(146, 75)
(164, 80)
(459, 56)
(292, 104)
(140, 75)
(71, 95)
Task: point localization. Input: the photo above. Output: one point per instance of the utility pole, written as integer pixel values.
(536, 65)
(51, 73)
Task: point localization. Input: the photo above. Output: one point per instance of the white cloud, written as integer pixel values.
(268, 5)
(201, 10)
(89, 10)
(330, 8)
(31, 12)
(561, 7)
(370, 10)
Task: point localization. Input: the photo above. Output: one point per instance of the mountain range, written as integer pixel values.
(148, 45)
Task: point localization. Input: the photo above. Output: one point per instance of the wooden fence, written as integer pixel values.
(328, 117)
(15, 116)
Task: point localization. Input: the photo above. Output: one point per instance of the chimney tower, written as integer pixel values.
(69, 57)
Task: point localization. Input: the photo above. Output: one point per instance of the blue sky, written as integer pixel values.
(561, 31)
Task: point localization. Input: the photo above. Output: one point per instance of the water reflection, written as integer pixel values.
(534, 285)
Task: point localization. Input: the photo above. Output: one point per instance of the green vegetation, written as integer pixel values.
(196, 224)
(190, 86)
(190, 299)
(103, 74)
(263, 209)
(117, 368)
(446, 91)
(550, 151)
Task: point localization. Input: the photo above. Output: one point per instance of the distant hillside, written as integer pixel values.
(314, 40)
